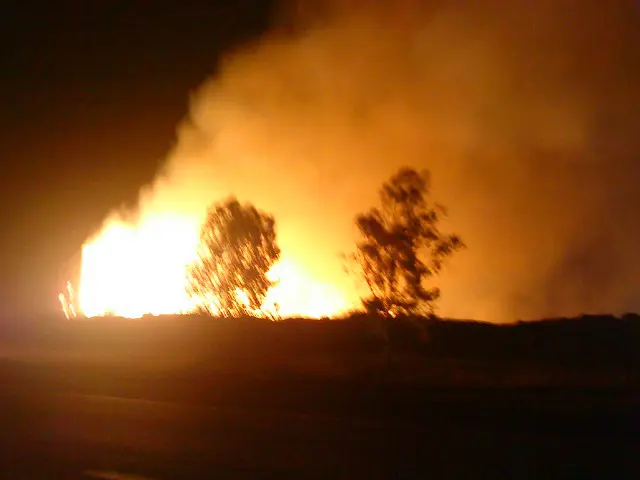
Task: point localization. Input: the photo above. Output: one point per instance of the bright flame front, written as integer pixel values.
(133, 269)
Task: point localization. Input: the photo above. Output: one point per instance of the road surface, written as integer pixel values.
(76, 436)
(77, 421)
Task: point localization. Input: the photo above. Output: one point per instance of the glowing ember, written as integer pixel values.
(136, 269)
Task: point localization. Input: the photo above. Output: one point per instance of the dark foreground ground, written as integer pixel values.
(93, 406)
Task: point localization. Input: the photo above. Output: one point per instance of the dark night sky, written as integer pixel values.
(92, 92)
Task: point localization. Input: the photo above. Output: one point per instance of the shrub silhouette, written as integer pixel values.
(401, 247)
(237, 249)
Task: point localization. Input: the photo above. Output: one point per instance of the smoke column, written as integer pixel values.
(526, 114)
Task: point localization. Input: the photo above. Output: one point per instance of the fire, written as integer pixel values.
(132, 269)
(297, 293)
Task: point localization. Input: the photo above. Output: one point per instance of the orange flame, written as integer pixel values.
(132, 269)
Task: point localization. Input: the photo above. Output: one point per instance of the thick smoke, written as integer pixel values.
(525, 112)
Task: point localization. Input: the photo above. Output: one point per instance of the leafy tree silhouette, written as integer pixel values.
(237, 248)
(401, 246)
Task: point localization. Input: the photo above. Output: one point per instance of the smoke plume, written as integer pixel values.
(526, 113)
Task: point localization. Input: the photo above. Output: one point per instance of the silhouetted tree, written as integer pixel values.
(401, 246)
(237, 249)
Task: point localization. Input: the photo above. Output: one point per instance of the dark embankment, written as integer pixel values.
(450, 399)
(191, 357)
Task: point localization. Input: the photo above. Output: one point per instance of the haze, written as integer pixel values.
(526, 118)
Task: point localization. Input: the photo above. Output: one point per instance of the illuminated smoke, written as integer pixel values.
(526, 114)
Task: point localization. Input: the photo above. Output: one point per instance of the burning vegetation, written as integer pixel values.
(233, 270)
(527, 124)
